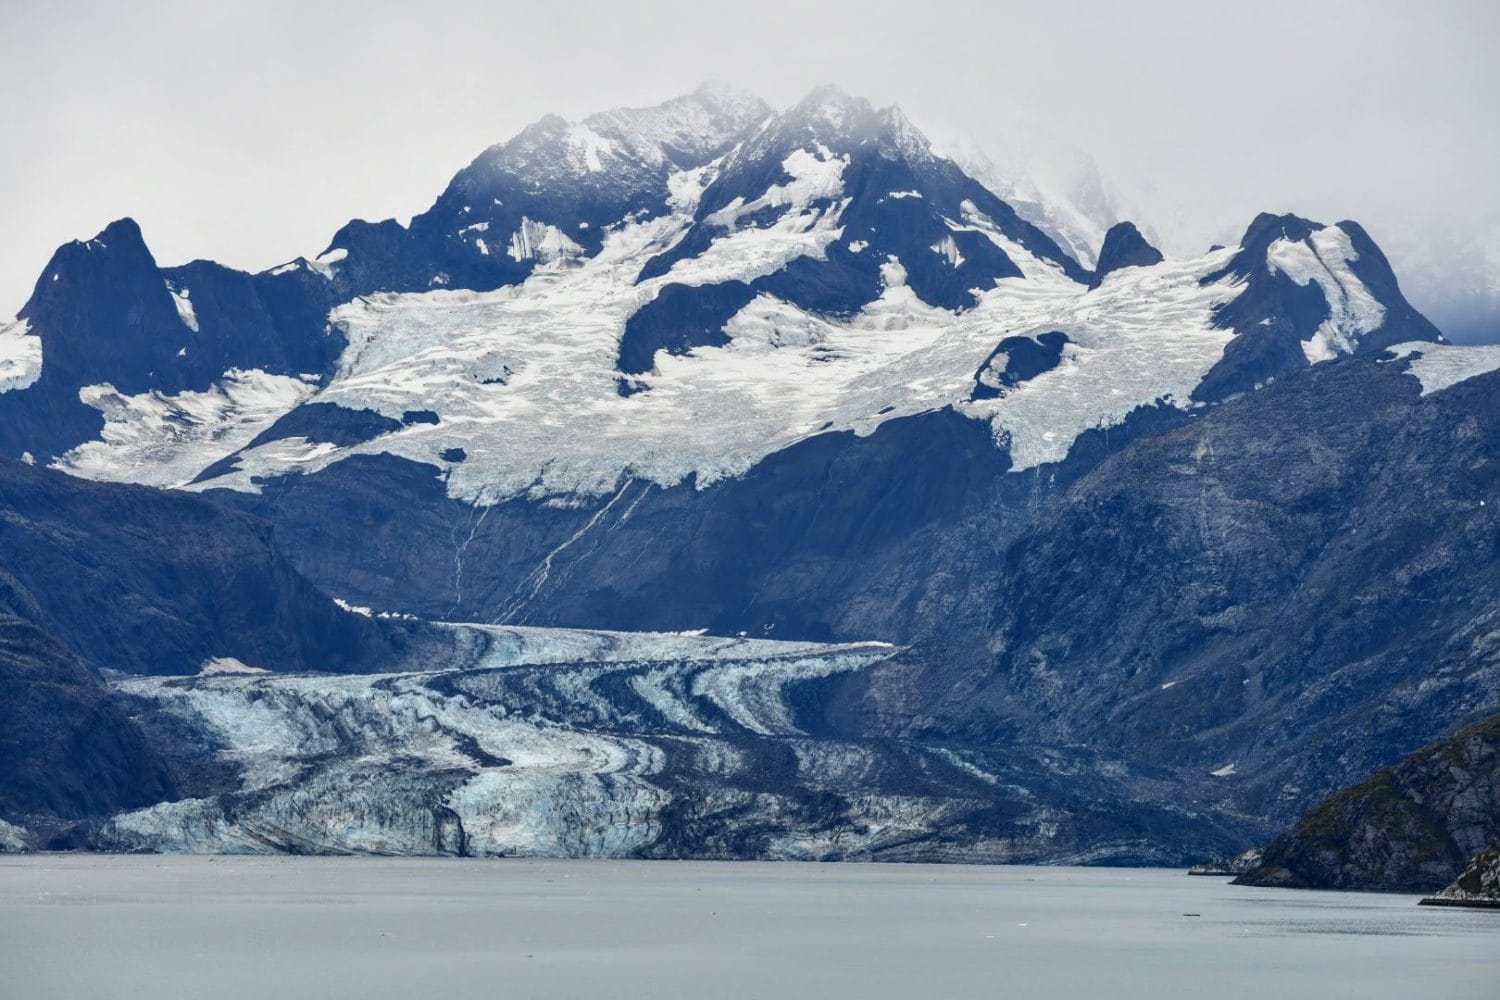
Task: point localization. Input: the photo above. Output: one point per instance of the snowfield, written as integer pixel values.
(523, 379)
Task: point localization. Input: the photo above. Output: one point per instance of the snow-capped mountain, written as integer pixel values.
(688, 289)
(785, 374)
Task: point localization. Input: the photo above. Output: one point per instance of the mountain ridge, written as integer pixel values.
(784, 376)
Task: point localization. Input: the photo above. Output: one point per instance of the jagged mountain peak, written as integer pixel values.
(119, 246)
(1306, 293)
(1265, 229)
(728, 98)
(124, 229)
(901, 137)
(831, 118)
(122, 238)
(831, 106)
(679, 133)
(831, 221)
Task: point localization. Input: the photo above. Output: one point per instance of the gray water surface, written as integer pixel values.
(280, 927)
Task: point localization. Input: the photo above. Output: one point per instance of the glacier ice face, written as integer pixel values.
(524, 751)
(549, 742)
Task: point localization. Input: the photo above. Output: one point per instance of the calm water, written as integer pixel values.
(226, 928)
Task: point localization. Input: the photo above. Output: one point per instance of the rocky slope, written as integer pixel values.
(1413, 826)
(139, 580)
(68, 750)
(1278, 597)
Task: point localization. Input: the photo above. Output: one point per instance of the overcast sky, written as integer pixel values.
(249, 134)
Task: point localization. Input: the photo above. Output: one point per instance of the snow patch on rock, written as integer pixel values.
(1324, 257)
(1438, 366)
(166, 440)
(20, 356)
(180, 299)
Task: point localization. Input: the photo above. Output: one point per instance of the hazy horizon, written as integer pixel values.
(250, 135)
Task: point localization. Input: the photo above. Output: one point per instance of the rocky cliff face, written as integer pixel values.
(139, 580)
(68, 750)
(1272, 601)
(1413, 826)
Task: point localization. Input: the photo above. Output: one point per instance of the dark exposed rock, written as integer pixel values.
(1124, 246)
(106, 313)
(680, 318)
(147, 581)
(1015, 360)
(67, 750)
(890, 530)
(1273, 316)
(1301, 590)
(900, 196)
(1413, 826)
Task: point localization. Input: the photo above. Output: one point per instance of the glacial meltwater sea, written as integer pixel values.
(225, 928)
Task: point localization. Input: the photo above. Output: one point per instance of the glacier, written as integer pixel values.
(534, 742)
